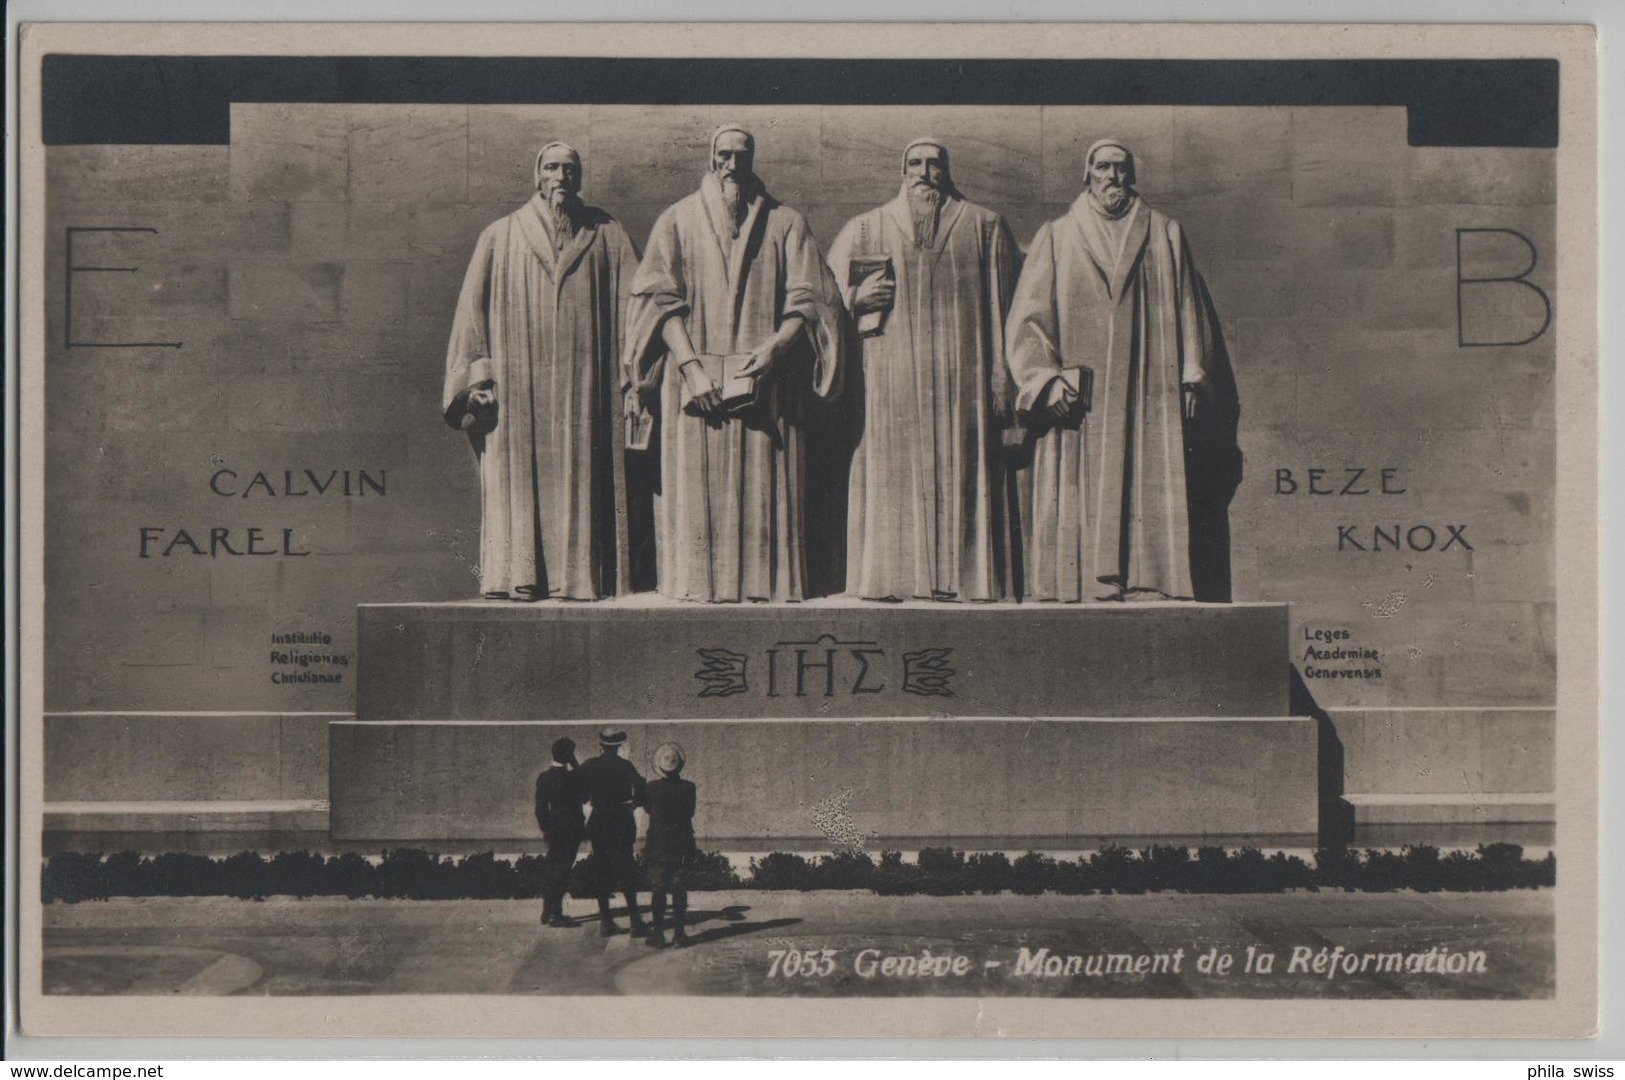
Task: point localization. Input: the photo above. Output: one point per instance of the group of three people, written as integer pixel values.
(613, 788)
(1095, 363)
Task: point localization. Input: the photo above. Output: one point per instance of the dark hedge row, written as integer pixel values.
(418, 875)
(1160, 868)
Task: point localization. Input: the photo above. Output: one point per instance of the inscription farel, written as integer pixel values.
(221, 541)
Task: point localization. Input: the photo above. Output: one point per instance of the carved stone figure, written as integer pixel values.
(734, 320)
(929, 277)
(532, 374)
(1122, 375)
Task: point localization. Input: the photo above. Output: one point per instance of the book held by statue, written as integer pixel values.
(738, 389)
(871, 323)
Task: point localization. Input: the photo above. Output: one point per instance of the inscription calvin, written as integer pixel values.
(827, 666)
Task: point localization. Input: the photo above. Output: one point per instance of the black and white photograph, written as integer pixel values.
(827, 530)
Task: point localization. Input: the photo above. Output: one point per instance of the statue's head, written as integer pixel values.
(1109, 174)
(558, 173)
(733, 153)
(925, 167)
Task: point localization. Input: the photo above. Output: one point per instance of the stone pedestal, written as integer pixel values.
(1007, 726)
(488, 661)
(906, 783)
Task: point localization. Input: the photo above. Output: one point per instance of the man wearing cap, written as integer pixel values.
(929, 277)
(1123, 378)
(669, 848)
(613, 787)
(733, 291)
(558, 814)
(533, 377)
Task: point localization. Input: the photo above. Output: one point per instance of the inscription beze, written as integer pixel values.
(827, 666)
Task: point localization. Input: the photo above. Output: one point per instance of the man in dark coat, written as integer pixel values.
(558, 814)
(613, 787)
(669, 849)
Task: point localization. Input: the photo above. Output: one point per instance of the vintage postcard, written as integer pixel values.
(1000, 530)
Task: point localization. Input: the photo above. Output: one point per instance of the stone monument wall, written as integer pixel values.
(295, 290)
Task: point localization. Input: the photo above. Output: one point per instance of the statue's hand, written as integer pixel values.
(762, 359)
(766, 356)
(1192, 393)
(1060, 399)
(874, 293)
(702, 390)
(479, 412)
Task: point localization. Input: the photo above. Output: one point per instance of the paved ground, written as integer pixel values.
(836, 943)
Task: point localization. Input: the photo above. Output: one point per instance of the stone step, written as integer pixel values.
(1069, 780)
(1418, 753)
(503, 661)
(1453, 808)
(139, 758)
(258, 816)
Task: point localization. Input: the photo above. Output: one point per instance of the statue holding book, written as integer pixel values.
(734, 319)
(1126, 387)
(928, 277)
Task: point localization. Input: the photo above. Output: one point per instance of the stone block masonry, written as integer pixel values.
(310, 268)
(603, 662)
(896, 783)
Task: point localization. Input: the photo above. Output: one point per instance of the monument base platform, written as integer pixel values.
(968, 782)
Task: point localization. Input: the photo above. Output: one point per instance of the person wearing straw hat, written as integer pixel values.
(668, 849)
(613, 787)
(533, 378)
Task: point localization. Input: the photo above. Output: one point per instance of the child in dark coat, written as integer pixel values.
(558, 814)
(669, 849)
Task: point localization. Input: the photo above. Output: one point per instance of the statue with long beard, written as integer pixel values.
(533, 377)
(928, 504)
(1125, 385)
(732, 273)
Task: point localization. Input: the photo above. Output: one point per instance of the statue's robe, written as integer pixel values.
(543, 318)
(1109, 513)
(928, 512)
(729, 517)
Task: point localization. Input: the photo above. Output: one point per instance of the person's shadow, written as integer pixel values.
(732, 919)
(732, 930)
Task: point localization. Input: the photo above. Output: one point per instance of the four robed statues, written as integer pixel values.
(1056, 427)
